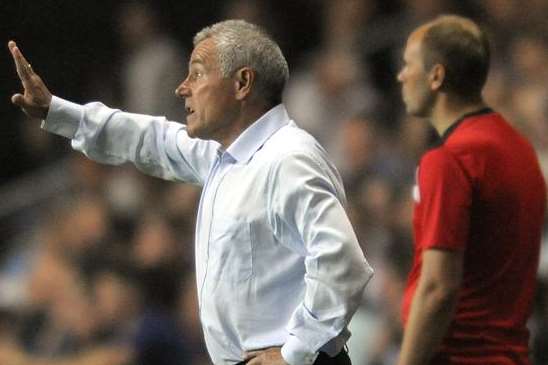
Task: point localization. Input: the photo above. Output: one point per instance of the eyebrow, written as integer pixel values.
(196, 61)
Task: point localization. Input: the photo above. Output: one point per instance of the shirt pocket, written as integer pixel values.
(231, 246)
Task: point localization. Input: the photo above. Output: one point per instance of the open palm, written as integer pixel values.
(36, 97)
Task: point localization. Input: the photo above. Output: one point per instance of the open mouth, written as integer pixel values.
(189, 110)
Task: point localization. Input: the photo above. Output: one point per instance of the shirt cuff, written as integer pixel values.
(63, 117)
(295, 352)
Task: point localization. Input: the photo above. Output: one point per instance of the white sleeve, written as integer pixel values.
(306, 202)
(154, 145)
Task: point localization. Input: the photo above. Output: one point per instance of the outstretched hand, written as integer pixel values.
(36, 98)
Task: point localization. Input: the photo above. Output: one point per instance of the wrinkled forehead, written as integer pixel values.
(204, 52)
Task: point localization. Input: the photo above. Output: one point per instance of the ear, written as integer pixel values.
(436, 77)
(244, 80)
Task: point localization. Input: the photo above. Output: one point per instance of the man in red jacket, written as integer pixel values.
(480, 200)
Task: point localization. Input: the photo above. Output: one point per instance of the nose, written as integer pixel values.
(400, 76)
(183, 90)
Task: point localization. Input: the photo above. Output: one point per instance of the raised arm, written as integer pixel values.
(153, 144)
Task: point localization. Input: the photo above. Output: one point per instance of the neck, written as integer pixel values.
(245, 116)
(450, 109)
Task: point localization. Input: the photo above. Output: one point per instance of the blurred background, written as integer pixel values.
(97, 262)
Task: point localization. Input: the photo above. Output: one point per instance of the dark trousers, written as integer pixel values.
(324, 359)
(341, 359)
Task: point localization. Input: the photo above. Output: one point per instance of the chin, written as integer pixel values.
(411, 111)
(197, 133)
(416, 112)
(192, 128)
(190, 131)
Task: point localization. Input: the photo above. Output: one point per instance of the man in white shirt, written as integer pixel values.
(279, 269)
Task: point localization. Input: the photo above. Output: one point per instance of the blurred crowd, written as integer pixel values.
(97, 262)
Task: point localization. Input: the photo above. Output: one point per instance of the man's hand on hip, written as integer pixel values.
(36, 98)
(270, 356)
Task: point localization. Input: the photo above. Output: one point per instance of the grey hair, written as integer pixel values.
(238, 44)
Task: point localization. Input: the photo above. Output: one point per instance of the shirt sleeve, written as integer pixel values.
(307, 205)
(445, 196)
(154, 145)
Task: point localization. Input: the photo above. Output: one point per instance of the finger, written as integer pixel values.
(254, 361)
(18, 100)
(17, 54)
(24, 69)
(252, 354)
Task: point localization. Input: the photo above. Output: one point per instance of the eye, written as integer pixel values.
(195, 75)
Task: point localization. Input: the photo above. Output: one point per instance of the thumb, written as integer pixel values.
(30, 107)
(18, 100)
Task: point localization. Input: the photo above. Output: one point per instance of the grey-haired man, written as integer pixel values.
(279, 269)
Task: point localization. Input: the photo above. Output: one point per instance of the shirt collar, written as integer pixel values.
(438, 140)
(254, 136)
(455, 124)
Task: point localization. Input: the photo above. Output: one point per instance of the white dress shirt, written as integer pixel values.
(277, 261)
